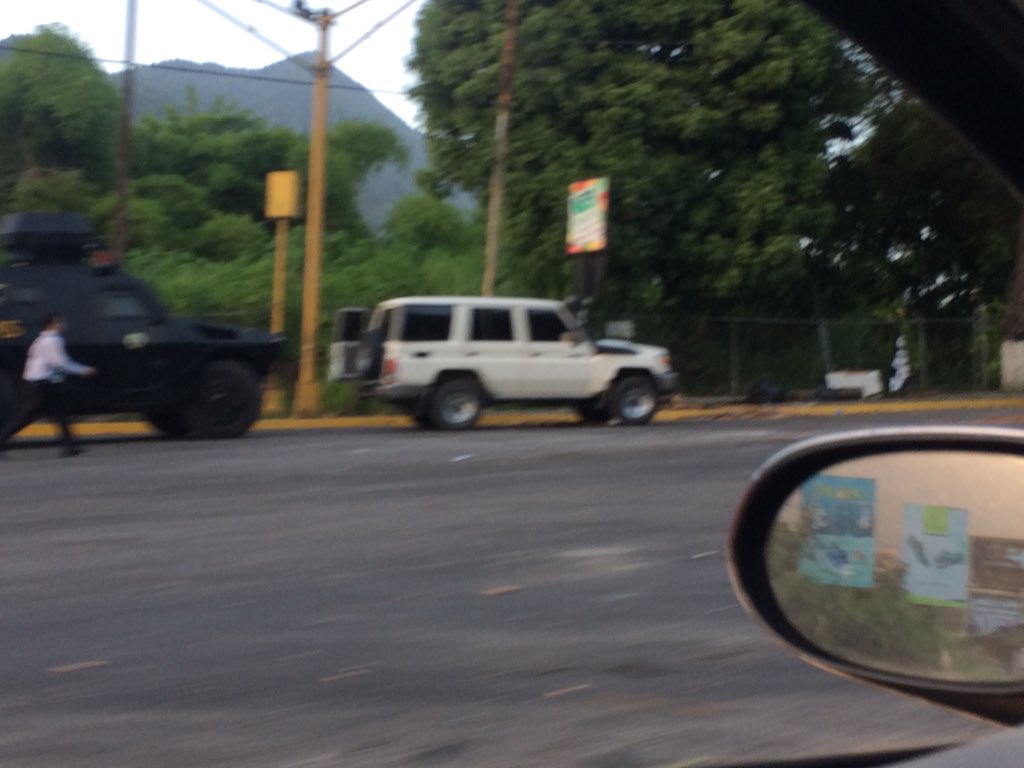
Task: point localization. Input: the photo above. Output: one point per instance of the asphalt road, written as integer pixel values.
(507, 597)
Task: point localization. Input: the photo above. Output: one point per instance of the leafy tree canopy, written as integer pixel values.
(711, 119)
(58, 110)
(354, 149)
(224, 151)
(923, 226)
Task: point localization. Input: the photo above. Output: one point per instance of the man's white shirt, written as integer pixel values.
(48, 359)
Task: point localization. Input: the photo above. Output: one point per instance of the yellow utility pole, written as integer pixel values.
(282, 205)
(280, 275)
(308, 389)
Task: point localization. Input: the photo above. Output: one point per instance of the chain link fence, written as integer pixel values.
(729, 355)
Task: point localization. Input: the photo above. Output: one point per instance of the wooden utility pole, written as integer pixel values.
(124, 147)
(496, 194)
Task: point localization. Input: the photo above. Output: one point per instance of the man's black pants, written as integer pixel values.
(38, 399)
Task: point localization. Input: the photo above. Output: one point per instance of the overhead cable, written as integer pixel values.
(374, 29)
(252, 31)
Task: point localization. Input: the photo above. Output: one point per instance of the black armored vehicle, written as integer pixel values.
(187, 377)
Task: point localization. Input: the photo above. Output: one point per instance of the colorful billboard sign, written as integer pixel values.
(934, 553)
(841, 547)
(587, 229)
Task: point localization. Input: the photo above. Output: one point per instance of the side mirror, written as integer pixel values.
(897, 557)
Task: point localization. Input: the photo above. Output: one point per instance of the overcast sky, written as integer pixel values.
(188, 29)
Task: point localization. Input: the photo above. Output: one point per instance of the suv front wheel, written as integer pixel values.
(634, 400)
(455, 404)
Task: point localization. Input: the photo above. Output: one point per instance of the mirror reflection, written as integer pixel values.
(910, 563)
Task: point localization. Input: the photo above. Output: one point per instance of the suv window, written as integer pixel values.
(546, 325)
(427, 322)
(492, 325)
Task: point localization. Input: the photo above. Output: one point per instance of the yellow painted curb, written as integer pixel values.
(839, 408)
(541, 418)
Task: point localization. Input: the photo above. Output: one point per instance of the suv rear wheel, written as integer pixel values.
(455, 404)
(225, 402)
(634, 400)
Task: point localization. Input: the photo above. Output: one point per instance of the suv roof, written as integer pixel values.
(483, 301)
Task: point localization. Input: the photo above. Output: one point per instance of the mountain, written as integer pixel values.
(282, 95)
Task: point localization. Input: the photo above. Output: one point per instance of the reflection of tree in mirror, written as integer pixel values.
(878, 627)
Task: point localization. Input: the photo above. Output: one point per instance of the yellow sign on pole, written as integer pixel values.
(282, 205)
(282, 195)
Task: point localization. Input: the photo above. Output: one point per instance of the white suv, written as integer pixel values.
(441, 359)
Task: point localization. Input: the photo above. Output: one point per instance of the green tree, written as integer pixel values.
(923, 226)
(712, 120)
(230, 236)
(187, 206)
(58, 110)
(47, 189)
(226, 152)
(426, 223)
(354, 149)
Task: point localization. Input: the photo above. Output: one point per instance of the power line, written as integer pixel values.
(374, 29)
(200, 71)
(250, 29)
(277, 7)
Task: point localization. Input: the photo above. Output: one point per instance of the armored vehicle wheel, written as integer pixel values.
(8, 400)
(634, 400)
(225, 402)
(455, 404)
(169, 423)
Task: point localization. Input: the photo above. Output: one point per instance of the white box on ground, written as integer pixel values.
(868, 382)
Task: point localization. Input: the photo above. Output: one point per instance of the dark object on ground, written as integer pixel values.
(766, 391)
(826, 395)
